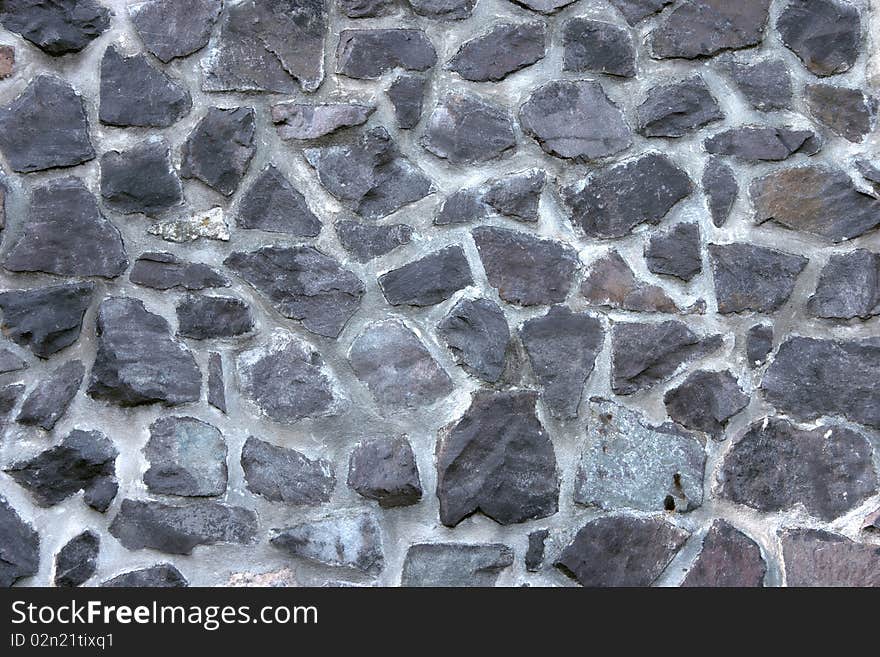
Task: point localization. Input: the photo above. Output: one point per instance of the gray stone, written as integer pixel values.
(818, 558)
(273, 204)
(754, 143)
(142, 179)
(621, 551)
(295, 120)
(187, 457)
(429, 280)
(590, 45)
(10, 361)
(535, 554)
(721, 189)
(846, 112)
(164, 271)
(461, 207)
(143, 524)
(776, 467)
(455, 564)
(77, 561)
(505, 49)
(635, 11)
(407, 95)
(285, 475)
(751, 278)
(101, 493)
(849, 287)
(137, 361)
(810, 378)
(369, 175)
(219, 149)
(465, 129)
(677, 109)
(45, 127)
(525, 270)
(367, 242)
(202, 318)
(574, 119)
(170, 29)
(476, 332)
(705, 401)
(46, 319)
(303, 284)
(9, 396)
(759, 344)
(82, 460)
(396, 367)
(517, 195)
(628, 463)
(445, 10)
(676, 252)
(367, 54)
(350, 540)
(216, 383)
(385, 470)
(162, 575)
(766, 84)
(56, 28)
(643, 355)
(497, 460)
(825, 34)
(19, 546)
(616, 199)
(728, 559)
(49, 400)
(136, 93)
(365, 8)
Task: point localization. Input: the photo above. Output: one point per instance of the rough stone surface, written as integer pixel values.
(385, 470)
(847, 112)
(705, 401)
(754, 143)
(77, 561)
(303, 121)
(208, 225)
(171, 29)
(220, 148)
(285, 475)
(590, 45)
(366, 242)
(766, 84)
(142, 179)
(635, 11)
(674, 110)
(19, 546)
(753, 278)
(611, 283)
(444, 10)
(759, 344)
(216, 382)
(350, 540)
(48, 402)
(848, 287)
(820, 558)
(10, 361)
(429, 280)
(728, 558)
(203, 318)
(56, 28)
(273, 204)
(455, 564)
(676, 252)
(505, 49)
(367, 54)
(535, 554)
(7, 61)
(187, 457)
(518, 195)
(164, 271)
(407, 95)
(721, 189)
(159, 576)
(824, 34)
(464, 128)
(461, 207)
(476, 332)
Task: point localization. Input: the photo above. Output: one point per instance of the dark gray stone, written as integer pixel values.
(10, 361)
(397, 367)
(546, 7)
(621, 551)
(818, 558)
(465, 129)
(77, 561)
(367, 54)
(369, 175)
(677, 109)
(273, 204)
(365, 8)
(429, 280)
(101, 493)
(461, 207)
(350, 540)
(82, 460)
(49, 400)
(751, 278)
(45, 127)
(285, 475)
(590, 45)
(455, 564)
(759, 344)
(849, 287)
(9, 396)
(476, 332)
(705, 401)
(728, 559)
(611, 283)
(754, 143)
(136, 93)
(56, 28)
(525, 270)
(776, 467)
(721, 189)
(643, 355)
(142, 179)
(367, 242)
(202, 318)
(535, 554)
(295, 120)
(676, 252)
(219, 149)
(766, 84)
(616, 199)
(163, 271)
(138, 362)
(19, 546)
(505, 49)
(517, 195)
(385, 470)
(846, 112)
(574, 119)
(444, 10)
(497, 460)
(144, 524)
(407, 95)
(635, 11)
(169, 28)
(162, 575)
(187, 457)
(825, 34)
(303, 284)
(216, 382)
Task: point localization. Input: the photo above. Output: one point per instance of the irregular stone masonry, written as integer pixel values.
(479, 292)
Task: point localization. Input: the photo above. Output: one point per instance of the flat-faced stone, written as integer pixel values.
(19, 546)
(219, 149)
(209, 224)
(10, 361)
(759, 344)
(526, 270)
(676, 252)
(45, 127)
(517, 195)
(7, 61)
(597, 46)
(635, 11)
(142, 179)
(643, 355)
(705, 401)
(720, 189)
(847, 112)
(67, 235)
(365, 8)
(819, 200)
(366, 241)
(754, 143)
(56, 28)
(629, 463)
(534, 558)
(295, 120)
(77, 561)
(616, 199)
(455, 564)
(187, 457)
(849, 286)
(677, 109)
(285, 475)
(347, 539)
(162, 575)
(505, 49)
(818, 558)
(303, 284)
(621, 551)
(369, 174)
(429, 280)
(9, 396)
(170, 29)
(497, 460)
(751, 278)
(462, 207)
(136, 93)
(810, 378)
(216, 382)
(574, 119)
(202, 317)
(367, 54)
(286, 379)
(49, 400)
(385, 470)
(407, 95)
(476, 332)
(728, 559)
(825, 34)
(611, 283)
(444, 10)
(163, 271)
(138, 362)
(766, 84)
(82, 460)
(776, 467)
(273, 204)
(465, 129)
(142, 524)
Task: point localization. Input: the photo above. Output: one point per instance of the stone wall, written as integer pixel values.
(444, 292)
